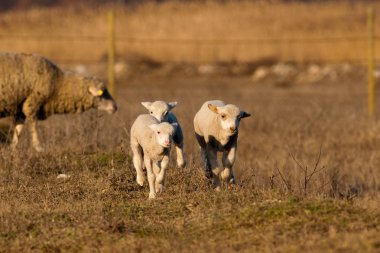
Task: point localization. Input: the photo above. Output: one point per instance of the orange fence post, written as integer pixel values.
(111, 51)
(371, 60)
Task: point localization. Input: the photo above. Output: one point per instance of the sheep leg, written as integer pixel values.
(206, 163)
(19, 125)
(151, 177)
(205, 160)
(30, 108)
(228, 160)
(157, 170)
(213, 159)
(181, 162)
(138, 162)
(35, 140)
(178, 141)
(160, 180)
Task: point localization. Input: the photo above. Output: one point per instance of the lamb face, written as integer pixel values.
(159, 109)
(102, 99)
(229, 117)
(164, 133)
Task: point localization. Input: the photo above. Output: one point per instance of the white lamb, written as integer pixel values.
(150, 143)
(162, 112)
(216, 129)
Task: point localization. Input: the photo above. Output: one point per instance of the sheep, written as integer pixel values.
(162, 112)
(150, 144)
(216, 127)
(33, 88)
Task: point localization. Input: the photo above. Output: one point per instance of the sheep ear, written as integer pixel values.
(175, 125)
(146, 104)
(172, 104)
(213, 108)
(153, 127)
(95, 91)
(244, 114)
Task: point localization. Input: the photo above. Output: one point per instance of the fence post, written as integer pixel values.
(111, 51)
(371, 60)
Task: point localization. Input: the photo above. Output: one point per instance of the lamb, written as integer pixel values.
(150, 144)
(33, 88)
(162, 112)
(216, 127)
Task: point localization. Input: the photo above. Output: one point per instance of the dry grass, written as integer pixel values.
(315, 131)
(100, 207)
(197, 32)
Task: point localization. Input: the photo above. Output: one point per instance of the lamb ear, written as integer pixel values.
(213, 108)
(172, 104)
(146, 104)
(244, 114)
(175, 125)
(153, 127)
(95, 91)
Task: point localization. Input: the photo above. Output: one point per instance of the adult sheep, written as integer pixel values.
(216, 127)
(33, 88)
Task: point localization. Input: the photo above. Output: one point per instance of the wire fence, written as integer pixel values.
(253, 48)
(64, 48)
(128, 39)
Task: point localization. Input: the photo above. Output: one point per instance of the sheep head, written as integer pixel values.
(101, 98)
(159, 109)
(229, 117)
(164, 133)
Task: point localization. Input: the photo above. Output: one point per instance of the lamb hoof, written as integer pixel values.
(208, 174)
(231, 186)
(181, 165)
(225, 175)
(140, 180)
(217, 189)
(152, 195)
(38, 148)
(159, 188)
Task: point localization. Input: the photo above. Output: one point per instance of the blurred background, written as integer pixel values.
(235, 36)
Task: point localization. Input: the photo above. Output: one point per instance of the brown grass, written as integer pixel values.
(100, 207)
(294, 130)
(197, 32)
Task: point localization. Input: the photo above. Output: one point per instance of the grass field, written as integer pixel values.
(307, 164)
(100, 208)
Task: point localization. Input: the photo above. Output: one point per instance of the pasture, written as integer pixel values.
(307, 168)
(100, 208)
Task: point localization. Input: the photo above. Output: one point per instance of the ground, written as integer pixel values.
(278, 204)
